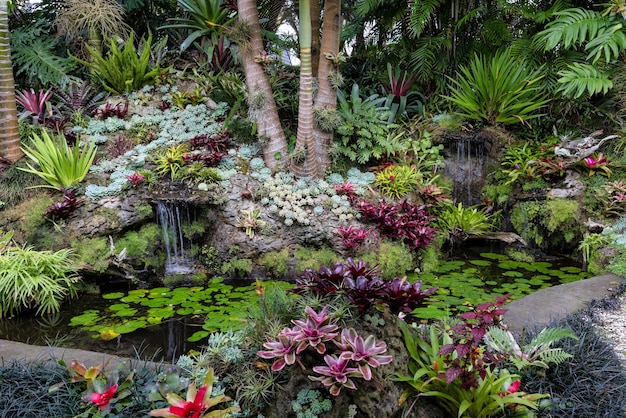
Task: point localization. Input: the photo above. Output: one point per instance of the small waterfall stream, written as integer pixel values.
(465, 162)
(173, 215)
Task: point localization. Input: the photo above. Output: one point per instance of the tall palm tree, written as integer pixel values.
(326, 95)
(306, 166)
(262, 104)
(10, 146)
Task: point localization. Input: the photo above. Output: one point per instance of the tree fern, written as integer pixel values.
(579, 79)
(572, 27)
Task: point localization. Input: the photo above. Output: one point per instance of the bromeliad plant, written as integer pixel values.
(458, 223)
(363, 287)
(404, 221)
(598, 162)
(397, 180)
(199, 403)
(59, 164)
(352, 236)
(455, 367)
(35, 103)
(352, 357)
(249, 220)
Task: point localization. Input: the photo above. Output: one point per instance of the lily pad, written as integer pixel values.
(114, 295)
(197, 336)
(483, 263)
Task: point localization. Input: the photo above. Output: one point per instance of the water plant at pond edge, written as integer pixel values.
(218, 306)
(470, 376)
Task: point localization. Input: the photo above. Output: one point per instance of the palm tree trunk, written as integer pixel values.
(326, 94)
(10, 146)
(315, 36)
(305, 163)
(269, 129)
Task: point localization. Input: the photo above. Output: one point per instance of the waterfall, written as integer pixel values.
(465, 160)
(173, 215)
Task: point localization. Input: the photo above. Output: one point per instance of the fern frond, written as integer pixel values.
(580, 78)
(502, 341)
(572, 27)
(550, 335)
(554, 356)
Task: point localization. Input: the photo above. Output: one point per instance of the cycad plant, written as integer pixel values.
(60, 165)
(458, 222)
(499, 90)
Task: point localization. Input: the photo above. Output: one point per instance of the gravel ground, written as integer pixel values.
(611, 320)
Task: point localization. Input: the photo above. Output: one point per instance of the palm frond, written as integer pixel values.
(551, 335)
(421, 13)
(609, 42)
(426, 58)
(578, 79)
(572, 27)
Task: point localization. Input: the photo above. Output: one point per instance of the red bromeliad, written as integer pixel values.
(101, 399)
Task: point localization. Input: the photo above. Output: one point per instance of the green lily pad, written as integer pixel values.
(114, 295)
(483, 263)
(512, 273)
(87, 318)
(570, 269)
(126, 312)
(119, 306)
(197, 336)
(493, 256)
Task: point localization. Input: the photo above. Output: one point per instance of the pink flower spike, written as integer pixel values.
(590, 162)
(514, 387)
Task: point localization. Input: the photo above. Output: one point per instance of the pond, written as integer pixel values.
(163, 323)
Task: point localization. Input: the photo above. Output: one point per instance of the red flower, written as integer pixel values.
(513, 387)
(102, 399)
(187, 409)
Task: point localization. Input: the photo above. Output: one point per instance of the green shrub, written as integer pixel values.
(551, 223)
(237, 267)
(93, 253)
(125, 70)
(140, 243)
(276, 263)
(394, 259)
(36, 279)
(501, 89)
(309, 258)
(364, 134)
(60, 165)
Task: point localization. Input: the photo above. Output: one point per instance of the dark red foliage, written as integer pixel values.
(346, 188)
(165, 104)
(363, 286)
(352, 236)
(135, 179)
(216, 142)
(120, 145)
(109, 110)
(65, 208)
(404, 221)
(472, 361)
(210, 159)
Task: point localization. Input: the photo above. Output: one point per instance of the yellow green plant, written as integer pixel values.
(171, 160)
(60, 165)
(396, 181)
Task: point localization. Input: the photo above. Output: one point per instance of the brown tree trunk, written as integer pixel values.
(265, 113)
(326, 94)
(10, 145)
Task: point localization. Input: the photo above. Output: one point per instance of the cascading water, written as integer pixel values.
(465, 161)
(172, 215)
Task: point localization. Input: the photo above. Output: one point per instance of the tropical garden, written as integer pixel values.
(339, 198)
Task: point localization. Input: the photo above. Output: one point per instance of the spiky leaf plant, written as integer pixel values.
(498, 90)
